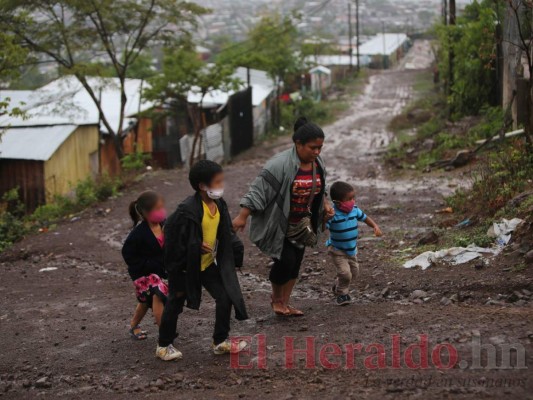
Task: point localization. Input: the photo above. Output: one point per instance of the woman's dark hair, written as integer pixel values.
(339, 190)
(305, 131)
(203, 172)
(143, 205)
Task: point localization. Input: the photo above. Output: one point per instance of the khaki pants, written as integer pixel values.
(347, 268)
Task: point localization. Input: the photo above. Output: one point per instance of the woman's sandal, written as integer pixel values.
(277, 312)
(294, 312)
(140, 335)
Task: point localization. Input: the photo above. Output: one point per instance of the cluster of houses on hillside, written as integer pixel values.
(63, 137)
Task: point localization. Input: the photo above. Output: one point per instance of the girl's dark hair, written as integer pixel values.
(339, 190)
(305, 131)
(143, 205)
(203, 172)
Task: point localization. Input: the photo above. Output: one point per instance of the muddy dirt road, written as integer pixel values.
(64, 330)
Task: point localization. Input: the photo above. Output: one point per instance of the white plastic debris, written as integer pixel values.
(453, 255)
(501, 231)
(459, 255)
(47, 269)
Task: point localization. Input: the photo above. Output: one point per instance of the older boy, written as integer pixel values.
(202, 250)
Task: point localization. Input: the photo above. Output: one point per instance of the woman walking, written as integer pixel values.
(288, 207)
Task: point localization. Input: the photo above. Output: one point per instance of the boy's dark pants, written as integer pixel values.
(212, 282)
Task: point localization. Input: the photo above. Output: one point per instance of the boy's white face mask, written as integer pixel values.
(214, 194)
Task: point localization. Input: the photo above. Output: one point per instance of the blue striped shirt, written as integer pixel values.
(343, 230)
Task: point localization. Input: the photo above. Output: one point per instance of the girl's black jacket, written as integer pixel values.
(142, 253)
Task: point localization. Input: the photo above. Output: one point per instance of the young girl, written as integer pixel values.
(143, 253)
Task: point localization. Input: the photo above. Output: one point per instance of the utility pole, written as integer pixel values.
(451, 53)
(384, 45)
(357, 34)
(350, 33)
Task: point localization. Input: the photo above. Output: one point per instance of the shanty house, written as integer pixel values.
(43, 161)
(385, 49)
(62, 139)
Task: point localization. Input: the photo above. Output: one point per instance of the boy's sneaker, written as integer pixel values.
(343, 299)
(229, 346)
(168, 353)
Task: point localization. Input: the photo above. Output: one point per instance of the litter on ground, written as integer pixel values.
(47, 269)
(459, 255)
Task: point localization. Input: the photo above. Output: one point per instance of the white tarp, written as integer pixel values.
(501, 231)
(453, 255)
(212, 138)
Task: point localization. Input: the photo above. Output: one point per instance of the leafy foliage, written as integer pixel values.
(74, 32)
(270, 46)
(504, 176)
(134, 161)
(473, 43)
(12, 227)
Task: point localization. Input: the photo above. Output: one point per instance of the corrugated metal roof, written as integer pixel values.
(262, 86)
(65, 101)
(320, 69)
(377, 45)
(33, 143)
(336, 60)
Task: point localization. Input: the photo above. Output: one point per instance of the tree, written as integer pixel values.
(521, 12)
(73, 33)
(472, 43)
(12, 56)
(182, 72)
(271, 46)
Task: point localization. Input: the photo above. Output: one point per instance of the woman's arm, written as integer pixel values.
(239, 222)
(263, 191)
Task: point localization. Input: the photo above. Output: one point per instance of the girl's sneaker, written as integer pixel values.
(168, 353)
(343, 299)
(229, 346)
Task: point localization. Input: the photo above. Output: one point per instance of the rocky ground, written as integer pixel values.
(67, 298)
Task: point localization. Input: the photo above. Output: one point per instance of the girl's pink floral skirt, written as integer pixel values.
(148, 286)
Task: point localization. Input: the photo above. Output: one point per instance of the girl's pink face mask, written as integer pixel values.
(157, 216)
(346, 206)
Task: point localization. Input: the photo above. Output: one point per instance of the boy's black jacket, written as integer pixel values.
(143, 253)
(183, 241)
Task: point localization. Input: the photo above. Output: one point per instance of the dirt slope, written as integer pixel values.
(64, 331)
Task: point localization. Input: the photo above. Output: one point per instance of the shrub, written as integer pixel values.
(134, 161)
(85, 191)
(12, 226)
(504, 175)
(106, 187)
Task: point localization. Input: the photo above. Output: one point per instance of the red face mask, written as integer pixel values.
(346, 206)
(157, 216)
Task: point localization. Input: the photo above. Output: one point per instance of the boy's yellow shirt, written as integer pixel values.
(209, 229)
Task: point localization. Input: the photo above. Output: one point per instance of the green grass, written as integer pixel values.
(15, 224)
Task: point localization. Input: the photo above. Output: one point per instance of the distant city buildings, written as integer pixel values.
(231, 19)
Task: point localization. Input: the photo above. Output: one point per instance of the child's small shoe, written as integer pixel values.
(343, 300)
(169, 353)
(229, 346)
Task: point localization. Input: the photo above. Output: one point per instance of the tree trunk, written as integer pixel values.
(451, 53)
(528, 126)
